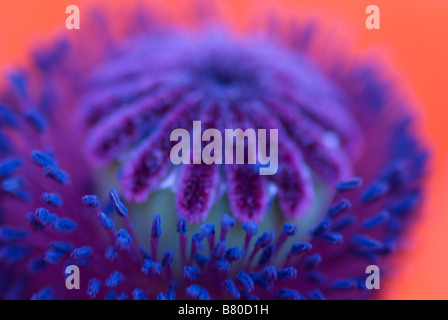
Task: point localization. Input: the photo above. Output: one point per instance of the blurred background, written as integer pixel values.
(412, 41)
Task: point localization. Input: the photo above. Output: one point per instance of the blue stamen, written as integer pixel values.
(37, 265)
(161, 297)
(245, 280)
(10, 234)
(36, 119)
(221, 265)
(270, 273)
(45, 217)
(91, 200)
(61, 246)
(56, 174)
(287, 273)
(344, 223)
(197, 292)
(182, 227)
(111, 295)
(34, 222)
(156, 229)
(315, 276)
(111, 253)
(8, 117)
(301, 247)
(375, 191)
(82, 253)
(53, 256)
(266, 255)
(93, 288)
(198, 241)
(7, 167)
(44, 294)
(344, 284)
(122, 296)
(376, 220)
(349, 184)
(230, 287)
(105, 221)
(265, 239)
(234, 254)
(339, 208)
(152, 267)
(289, 229)
(321, 228)
(334, 238)
(167, 258)
(207, 230)
(191, 272)
(251, 227)
(43, 159)
(14, 253)
(114, 279)
(287, 294)
(313, 261)
(247, 296)
(139, 294)
(119, 206)
(200, 259)
(145, 253)
(405, 205)
(13, 185)
(219, 250)
(52, 199)
(261, 281)
(123, 239)
(65, 225)
(317, 295)
(366, 242)
(227, 222)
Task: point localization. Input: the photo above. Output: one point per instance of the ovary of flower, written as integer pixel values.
(234, 139)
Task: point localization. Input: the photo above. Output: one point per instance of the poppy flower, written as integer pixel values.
(87, 178)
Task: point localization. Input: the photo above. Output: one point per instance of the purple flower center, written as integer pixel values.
(140, 96)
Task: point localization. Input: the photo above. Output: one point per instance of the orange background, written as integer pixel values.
(413, 34)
